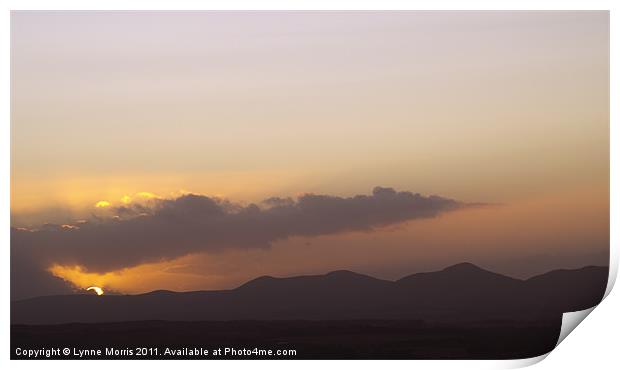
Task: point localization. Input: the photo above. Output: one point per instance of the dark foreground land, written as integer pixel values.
(360, 339)
(461, 312)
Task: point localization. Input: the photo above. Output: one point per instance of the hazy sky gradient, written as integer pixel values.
(497, 107)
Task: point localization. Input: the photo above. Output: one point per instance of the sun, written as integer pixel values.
(97, 290)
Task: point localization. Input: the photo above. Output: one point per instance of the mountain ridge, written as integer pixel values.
(461, 290)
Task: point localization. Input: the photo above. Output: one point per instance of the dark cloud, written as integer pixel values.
(29, 278)
(169, 228)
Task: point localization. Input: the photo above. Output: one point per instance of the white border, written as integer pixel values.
(580, 345)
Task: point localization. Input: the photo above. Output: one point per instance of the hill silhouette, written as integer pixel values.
(459, 293)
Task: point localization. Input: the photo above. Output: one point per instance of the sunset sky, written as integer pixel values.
(145, 143)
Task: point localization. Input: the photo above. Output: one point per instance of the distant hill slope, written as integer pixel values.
(461, 292)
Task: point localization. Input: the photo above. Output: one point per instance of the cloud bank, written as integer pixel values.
(168, 228)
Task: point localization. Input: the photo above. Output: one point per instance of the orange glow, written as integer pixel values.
(559, 222)
(147, 195)
(32, 195)
(137, 279)
(102, 204)
(78, 277)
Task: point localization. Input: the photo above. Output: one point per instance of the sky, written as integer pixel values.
(198, 150)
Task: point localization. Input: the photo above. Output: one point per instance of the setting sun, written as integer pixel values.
(260, 184)
(97, 290)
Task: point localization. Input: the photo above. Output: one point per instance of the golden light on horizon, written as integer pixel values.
(96, 289)
(137, 279)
